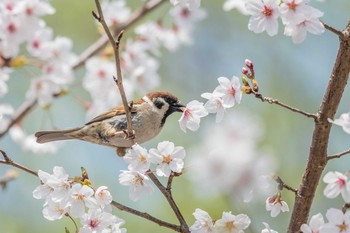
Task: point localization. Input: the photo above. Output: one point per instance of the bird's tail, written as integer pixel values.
(54, 135)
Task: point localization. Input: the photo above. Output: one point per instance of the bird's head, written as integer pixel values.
(165, 102)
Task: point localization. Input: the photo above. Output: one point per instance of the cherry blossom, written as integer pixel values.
(81, 196)
(240, 5)
(190, 4)
(230, 91)
(343, 121)
(138, 183)
(275, 204)
(339, 222)
(184, 18)
(267, 229)
(215, 104)
(168, 157)
(264, 16)
(203, 223)
(54, 210)
(103, 196)
(230, 223)
(315, 224)
(110, 7)
(337, 183)
(137, 158)
(96, 221)
(190, 118)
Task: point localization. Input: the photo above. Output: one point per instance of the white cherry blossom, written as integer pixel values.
(230, 91)
(337, 183)
(137, 158)
(339, 222)
(230, 223)
(168, 157)
(343, 121)
(190, 118)
(138, 183)
(203, 223)
(275, 204)
(315, 224)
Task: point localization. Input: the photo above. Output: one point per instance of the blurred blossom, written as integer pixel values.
(110, 8)
(343, 121)
(6, 111)
(203, 223)
(4, 77)
(28, 142)
(267, 229)
(190, 4)
(228, 160)
(240, 5)
(315, 224)
(185, 19)
(275, 204)
(339, 222)
(337, 183)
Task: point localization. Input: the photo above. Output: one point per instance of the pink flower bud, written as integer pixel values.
(245, 71)
(249, 63)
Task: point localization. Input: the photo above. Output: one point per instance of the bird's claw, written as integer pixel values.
(128, 135)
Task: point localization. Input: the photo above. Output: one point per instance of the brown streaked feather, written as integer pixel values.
(119, 110)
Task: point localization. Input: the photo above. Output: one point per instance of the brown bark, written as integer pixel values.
(318, 150)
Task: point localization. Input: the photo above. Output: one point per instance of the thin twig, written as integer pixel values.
(167, 194)
(282, 185)
(9, 161)
(170, 181)
(334, 30)
(274, 101)
(335, 156)
(119, 79)
(146, 216)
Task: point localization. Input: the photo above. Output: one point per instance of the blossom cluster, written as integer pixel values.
(224, 96)
(66, 197)
(167, 157)
(298, 17)
(140, 55)
(228, 223)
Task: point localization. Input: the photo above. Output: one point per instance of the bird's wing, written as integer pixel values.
(117, 111)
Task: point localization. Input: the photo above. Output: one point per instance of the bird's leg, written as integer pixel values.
(128, 136)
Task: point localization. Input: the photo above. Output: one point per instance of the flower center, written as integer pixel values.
(343, 227)
(231, 91)
(230, 225)
(341, 182)
(11, 28)
(101, 74)
(292, 5)
(267, 11)
(93, 223)
(166, 159)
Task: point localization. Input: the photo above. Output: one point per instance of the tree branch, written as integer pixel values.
(119, 79)
(274, 101)
(332, 29)
(9, 161)
(282, 185)
(338, 155)
(318, 150)
(146, 216)
(167, 194)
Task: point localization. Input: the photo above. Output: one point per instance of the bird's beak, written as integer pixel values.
(178, 107)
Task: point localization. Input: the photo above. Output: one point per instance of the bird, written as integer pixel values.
(148, 116)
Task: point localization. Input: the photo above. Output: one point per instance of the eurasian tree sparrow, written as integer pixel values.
(148, 117)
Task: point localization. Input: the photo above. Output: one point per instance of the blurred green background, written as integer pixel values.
(294, 74)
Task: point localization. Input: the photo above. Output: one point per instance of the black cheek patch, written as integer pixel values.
(158, 103)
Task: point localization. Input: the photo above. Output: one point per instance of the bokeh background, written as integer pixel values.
(294, 74)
